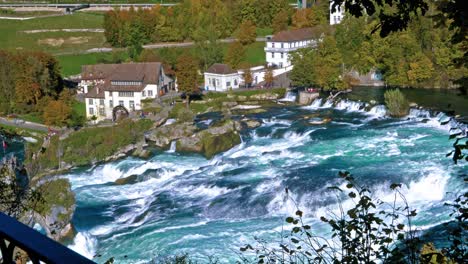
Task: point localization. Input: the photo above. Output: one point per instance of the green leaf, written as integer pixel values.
(299, 213)
(289, 220)
(295, 241)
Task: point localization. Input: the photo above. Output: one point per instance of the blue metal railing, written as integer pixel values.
(37, 246)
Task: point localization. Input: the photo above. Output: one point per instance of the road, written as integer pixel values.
(150, 46)
(24, 124)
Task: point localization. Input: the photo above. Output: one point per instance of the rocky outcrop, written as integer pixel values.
(163, 136)
(211, 141)
(55, 211)
(264, 96)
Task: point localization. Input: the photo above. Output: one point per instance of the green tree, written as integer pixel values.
(207, 48)
(235, 54)
(396, 103)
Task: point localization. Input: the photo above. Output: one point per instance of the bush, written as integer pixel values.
(396, 103)
(185, 115)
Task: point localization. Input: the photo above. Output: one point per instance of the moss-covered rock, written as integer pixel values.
(211, 141)
(163, 136)
(56, 209)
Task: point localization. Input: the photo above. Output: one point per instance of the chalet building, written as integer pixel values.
(279, 46)
(106, 86)
(337, 16)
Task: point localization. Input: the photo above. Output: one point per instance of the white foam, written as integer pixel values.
(289, 97)
(84, 244)
(172, 149)
(169, 121)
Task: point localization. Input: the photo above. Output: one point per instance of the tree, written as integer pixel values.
(235, 55)
(269, 79)
(320, 66)
(396, 103)
(248, 79)
(247, 33)
(207, 48)
(187, 76)
(307, 17)
(57, 113)
(280, 21)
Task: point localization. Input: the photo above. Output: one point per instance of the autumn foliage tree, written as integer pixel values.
(57, 113)
(269, 79)
(26, 78)
(187, 75)
(247, 33)
(280, 21)
(248, 78)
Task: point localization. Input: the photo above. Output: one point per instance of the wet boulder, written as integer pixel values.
(163, 136)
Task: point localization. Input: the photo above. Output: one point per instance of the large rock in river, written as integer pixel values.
(211, 141)
(164, 135)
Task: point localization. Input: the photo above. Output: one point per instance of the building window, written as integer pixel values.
(272, 44)
(91, 111)
(101, 101)
(132, 105)
(143, 93)
(281, 54)
(90, 101)
(111, 104)
(150, 93)
(125, 94)
(282, 46)
(272, 55)
(228, 84)
(102, 112)
(235, 82)
(121, 103)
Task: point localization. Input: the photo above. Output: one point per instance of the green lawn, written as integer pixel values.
(71, 64)
(79, 107)
(33, 117)
(261, 32)
(12, 36)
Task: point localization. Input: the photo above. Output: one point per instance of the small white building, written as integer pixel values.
(221, 77)
(279, 46)
(106, 86)
(337, 16)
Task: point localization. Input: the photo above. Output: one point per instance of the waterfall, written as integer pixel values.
(349, 105)
(289, 97)
(378, 111)
(315, 104)
(172, 149)
(327, 104)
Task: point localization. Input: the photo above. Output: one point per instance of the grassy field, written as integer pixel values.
(71, 64)
(13, 37)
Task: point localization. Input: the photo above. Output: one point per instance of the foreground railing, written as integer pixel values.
(14, 234)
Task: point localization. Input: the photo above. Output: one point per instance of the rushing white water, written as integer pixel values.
(289, 97)
(172, 148)
(185, 203)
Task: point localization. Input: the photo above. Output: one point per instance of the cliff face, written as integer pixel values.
(49, 203)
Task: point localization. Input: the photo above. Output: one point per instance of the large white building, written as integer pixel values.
(106, 86)
(279, 46)
(337, 16)
(221, 77)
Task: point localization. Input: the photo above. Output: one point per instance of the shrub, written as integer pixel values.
(396, 103)
(185, 115)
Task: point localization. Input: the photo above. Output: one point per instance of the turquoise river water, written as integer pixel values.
(187, 204)
(183, 203)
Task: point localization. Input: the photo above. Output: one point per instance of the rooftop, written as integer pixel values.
(219, 68)
(147, 72)
(298, 34)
